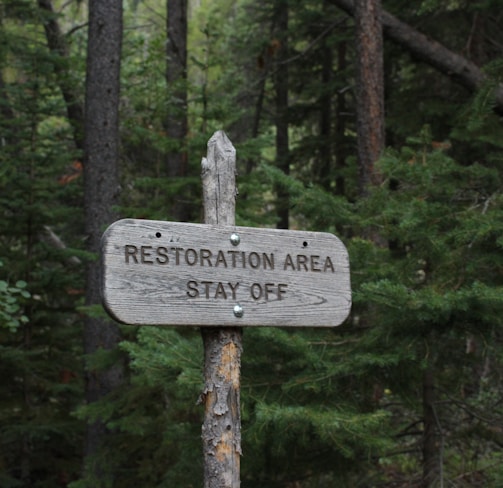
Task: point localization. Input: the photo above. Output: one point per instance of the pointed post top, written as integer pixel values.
(219, 181)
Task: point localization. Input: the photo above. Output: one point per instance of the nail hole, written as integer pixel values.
(304, 243)
(158, 234)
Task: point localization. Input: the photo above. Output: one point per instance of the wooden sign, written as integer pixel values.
(170, 273)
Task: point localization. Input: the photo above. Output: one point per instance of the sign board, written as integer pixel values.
(171, 273)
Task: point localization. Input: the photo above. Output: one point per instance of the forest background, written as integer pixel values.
(381, 126)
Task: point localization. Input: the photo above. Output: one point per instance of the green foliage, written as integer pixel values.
(439, 288)
(154, 418)
(418, 301)
(320, 408)
(40, 280)
(299, 398)
(11, 315)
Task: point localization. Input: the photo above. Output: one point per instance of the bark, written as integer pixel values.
(451, 64)
(264, 63)
(58, 45)
(431, 451)
(281, 88)
(369, 90)
(221, 430)
(176, 78)
(340, 128)
(101, 190)
(325, 164)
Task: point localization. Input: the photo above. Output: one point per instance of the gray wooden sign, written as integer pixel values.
(170, 273)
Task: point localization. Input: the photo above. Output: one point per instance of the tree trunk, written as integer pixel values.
(264, 62)
(340, 128)
(431, 451)
(369, 90)
(221, 431)
(281, 88)
(451, 64)
(476, 45)
(325, 162)
(176, 78)
(101, 194)
(257, 115)
(58, 45)
(9, 137)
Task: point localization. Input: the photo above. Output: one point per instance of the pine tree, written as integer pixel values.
(39, 235)
(407, 390)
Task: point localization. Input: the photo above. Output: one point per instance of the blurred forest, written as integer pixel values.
(378, 123)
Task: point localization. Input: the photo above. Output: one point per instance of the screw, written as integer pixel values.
(238, 311)
(235, 239)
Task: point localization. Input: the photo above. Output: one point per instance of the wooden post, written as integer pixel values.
(221, 430)
(144, 260)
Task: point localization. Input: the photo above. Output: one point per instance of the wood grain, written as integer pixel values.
(146, 288)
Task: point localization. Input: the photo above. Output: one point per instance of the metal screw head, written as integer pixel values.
(235, 239)
(238, 310)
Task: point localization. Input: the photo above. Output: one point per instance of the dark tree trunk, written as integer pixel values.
(451, 64)
(176, 78)
(5, 109)
(281, 88)
(476, 45)
(340, 128)
(325, 164)
(6, 115)
(58, 45)
(369, 90)
(101, 194)
(431, 450)
(257, 115)
(264, 63)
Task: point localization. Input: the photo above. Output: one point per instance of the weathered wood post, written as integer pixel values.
(221, 430)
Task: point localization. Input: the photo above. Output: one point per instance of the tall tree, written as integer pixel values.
(325, 163)
(430, 440)
(281, 8)
(39, 360)
(341, 149)
(58, 44)
(176, 77)
(369, 89)
(101, 194)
